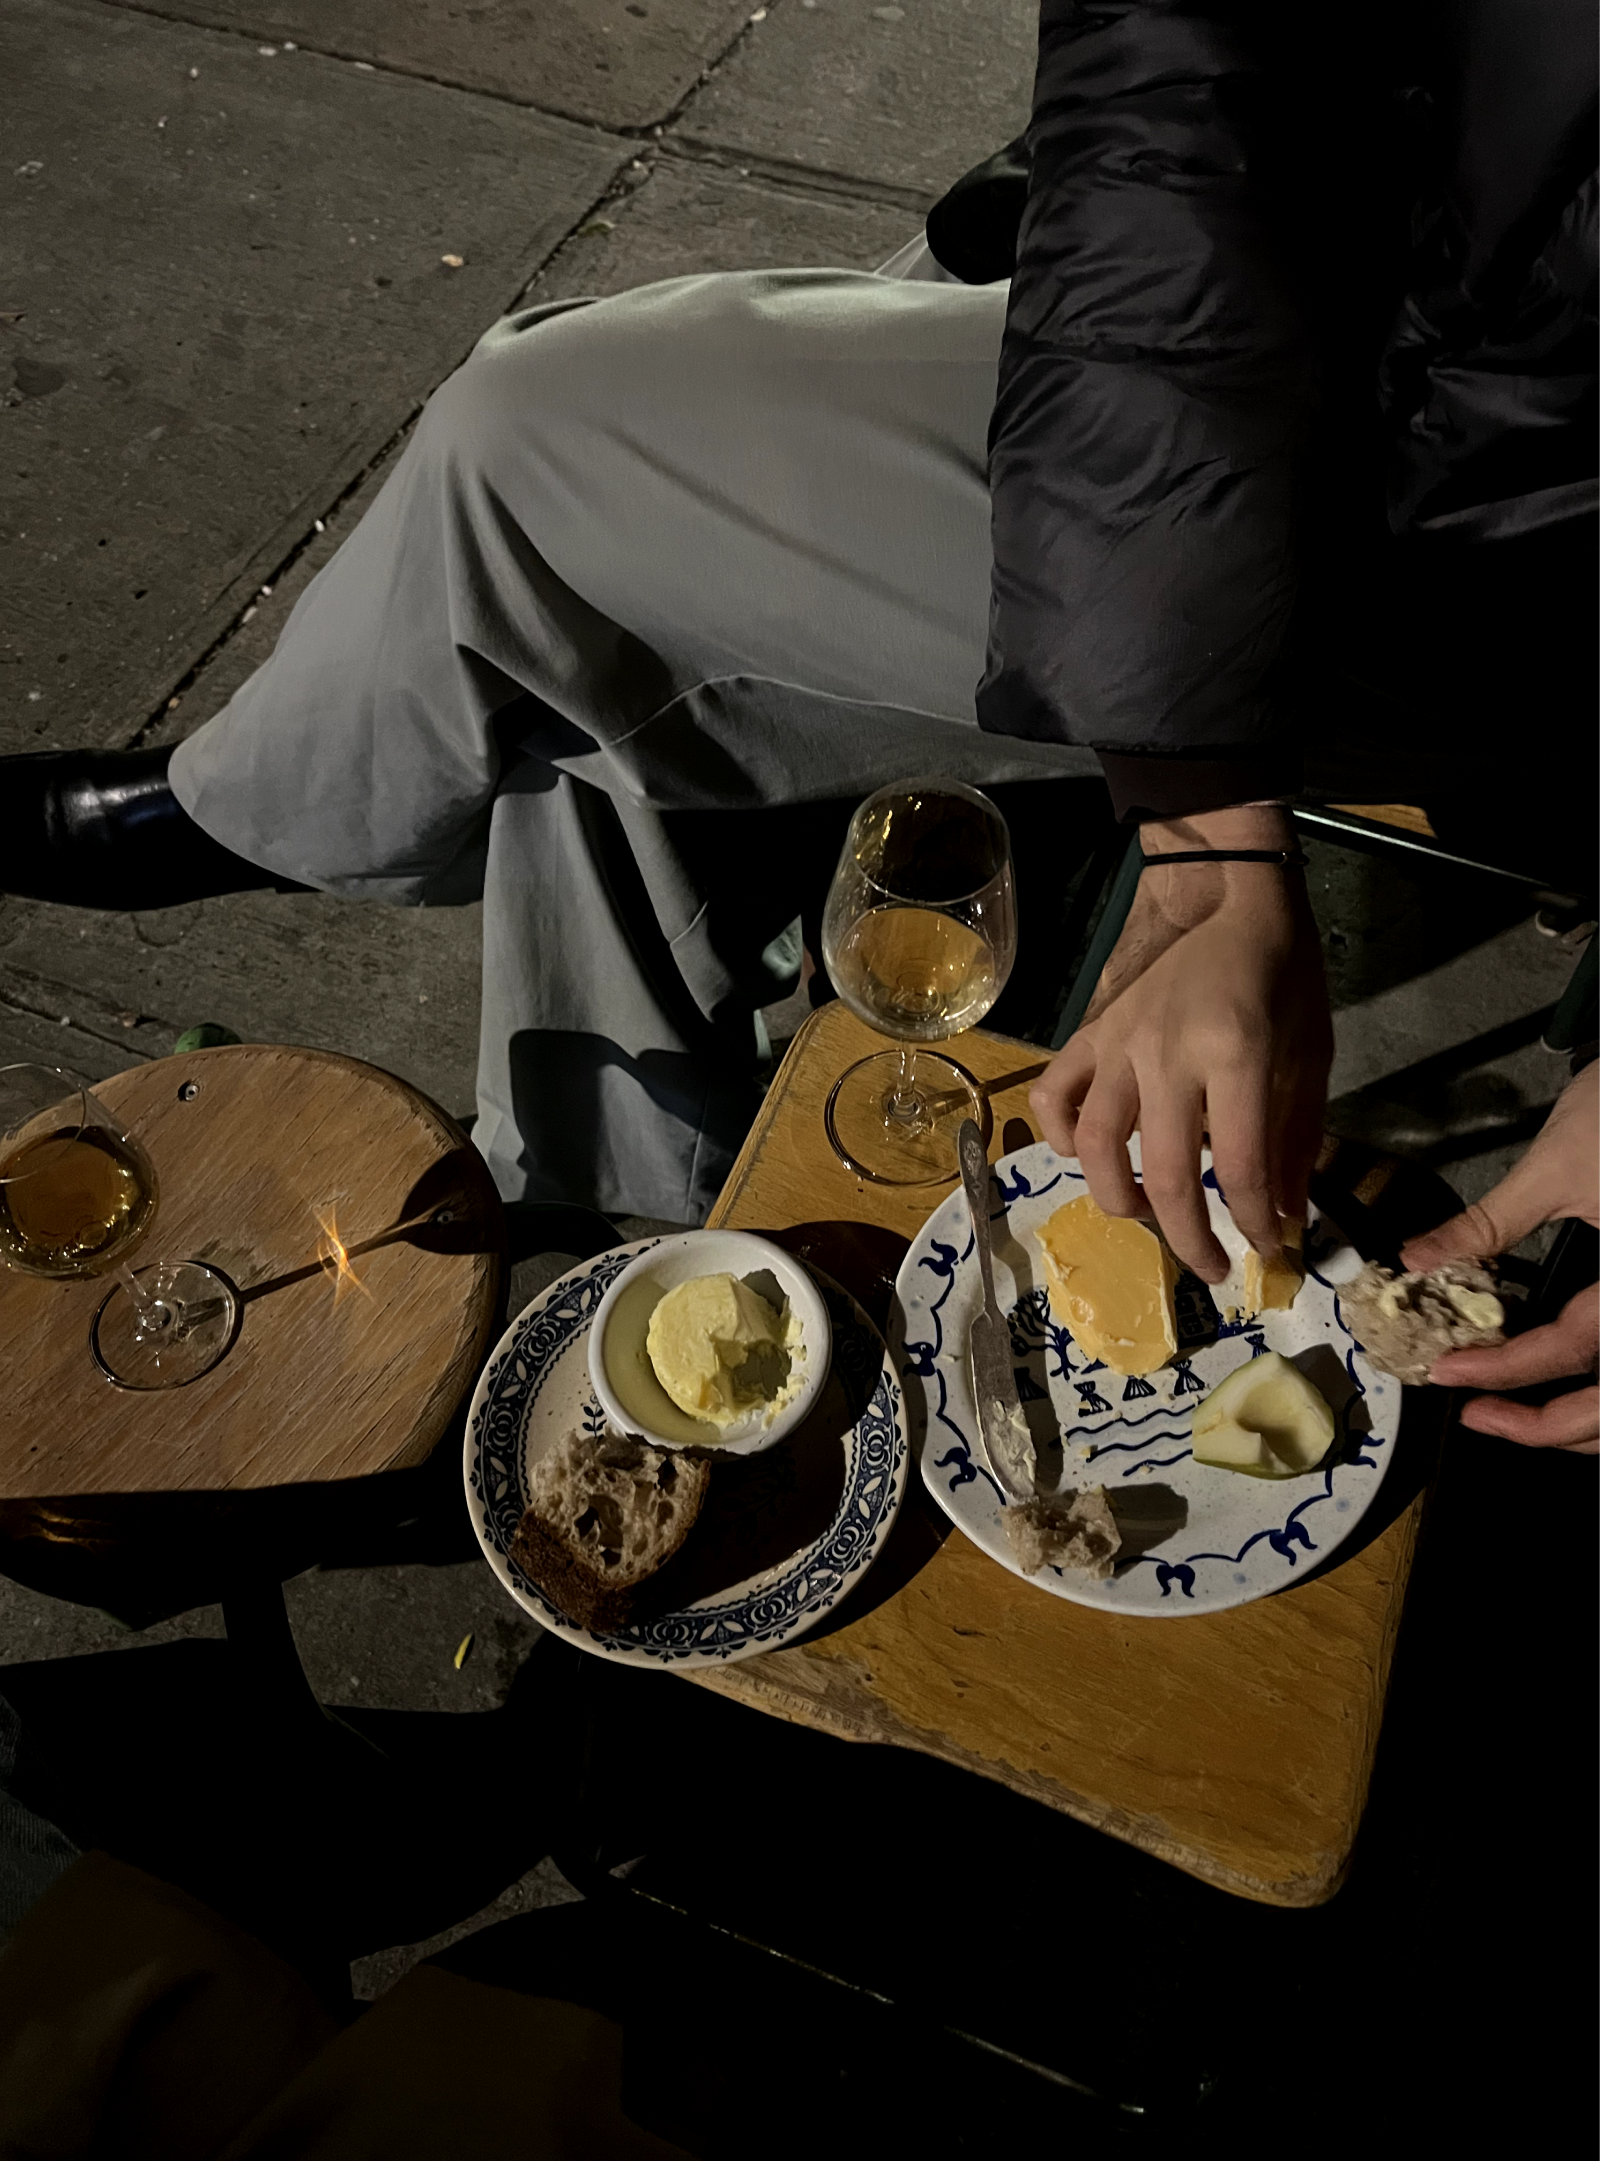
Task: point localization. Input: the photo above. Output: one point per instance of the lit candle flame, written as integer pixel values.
(334, 1255)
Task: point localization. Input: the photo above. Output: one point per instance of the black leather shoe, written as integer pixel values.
(101, 829)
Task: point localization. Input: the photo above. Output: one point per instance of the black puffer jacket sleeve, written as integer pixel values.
(1155, 387)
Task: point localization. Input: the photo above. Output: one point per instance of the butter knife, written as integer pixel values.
(1007, 1442)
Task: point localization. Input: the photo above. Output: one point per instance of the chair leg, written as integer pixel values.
(1574, 1021)
(1119, 899)
(291, 1719)
(263, 1645)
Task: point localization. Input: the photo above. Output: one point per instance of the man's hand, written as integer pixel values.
(1559, 1176)
(1211, 1017)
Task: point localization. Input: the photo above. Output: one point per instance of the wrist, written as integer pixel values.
(1264, 900)
(1241, 825)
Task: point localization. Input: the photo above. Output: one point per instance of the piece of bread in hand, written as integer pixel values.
(604, 1517)
(1404, 1323)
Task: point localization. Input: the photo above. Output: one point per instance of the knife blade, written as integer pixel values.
(1007, 1443)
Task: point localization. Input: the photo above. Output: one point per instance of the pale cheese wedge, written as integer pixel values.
(1111, 1283)
(1273, 1286)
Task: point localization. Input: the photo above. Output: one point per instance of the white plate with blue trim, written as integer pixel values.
(1196, 1539)
(784, 1535)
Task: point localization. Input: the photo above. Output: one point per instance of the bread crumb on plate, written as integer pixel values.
(1067, 1530)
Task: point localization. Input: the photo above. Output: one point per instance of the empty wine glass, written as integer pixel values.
(918, 935)
(78, 1195)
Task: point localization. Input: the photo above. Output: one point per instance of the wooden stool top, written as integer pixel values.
(1237, 1745)
(258, 1150)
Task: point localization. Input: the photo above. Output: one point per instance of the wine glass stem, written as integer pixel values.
(156, 1316)
(903, 1105)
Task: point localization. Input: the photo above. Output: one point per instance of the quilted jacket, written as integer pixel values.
(1296, 406)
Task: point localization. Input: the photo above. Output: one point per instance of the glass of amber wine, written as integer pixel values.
(918, 936)
(77, 1196)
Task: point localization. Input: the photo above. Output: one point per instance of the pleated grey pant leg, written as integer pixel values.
(649, 566)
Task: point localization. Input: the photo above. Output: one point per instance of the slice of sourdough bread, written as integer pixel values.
(604, 1517)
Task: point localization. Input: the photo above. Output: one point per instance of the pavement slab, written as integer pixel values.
(98, 992)
(907, 96)
(667, 217)
(621, 63)
(685, 216)
(222, 292)
(377, 1638)
(248, 640)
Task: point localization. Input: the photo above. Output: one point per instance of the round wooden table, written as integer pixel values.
(264, 1155)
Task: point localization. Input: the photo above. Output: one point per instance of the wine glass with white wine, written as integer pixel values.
(918, 935)
(78, 1195)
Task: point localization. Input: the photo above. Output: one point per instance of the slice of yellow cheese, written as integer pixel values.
(1111, 1283)
(1273, 1286)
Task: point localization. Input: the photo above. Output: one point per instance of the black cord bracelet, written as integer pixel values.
(1285, 858)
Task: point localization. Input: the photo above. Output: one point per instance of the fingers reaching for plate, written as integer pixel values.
(1211, 1012)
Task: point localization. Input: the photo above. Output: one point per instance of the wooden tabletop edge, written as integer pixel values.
(1145, 1833)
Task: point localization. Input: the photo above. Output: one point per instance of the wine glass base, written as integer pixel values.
(922, 1153)
(133, 1354)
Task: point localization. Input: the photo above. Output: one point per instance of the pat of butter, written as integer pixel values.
(720, 1350)
(1479, 1309)
(1273, 1286)
(1111, 1283)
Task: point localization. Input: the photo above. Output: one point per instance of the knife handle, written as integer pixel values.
(975, 1181)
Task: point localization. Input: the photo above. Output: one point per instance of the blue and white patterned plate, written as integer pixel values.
(1195, 1538)
(783, 1536)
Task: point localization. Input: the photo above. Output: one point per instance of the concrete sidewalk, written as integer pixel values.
(249, 241)
(243, 242)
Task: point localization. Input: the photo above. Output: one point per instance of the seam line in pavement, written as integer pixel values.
(364, 66)
(632, 130)
(615, 190)
(20, 988)
(186, 681)
(814, 180)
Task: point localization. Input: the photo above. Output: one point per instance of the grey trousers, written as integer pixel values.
(659, 582)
